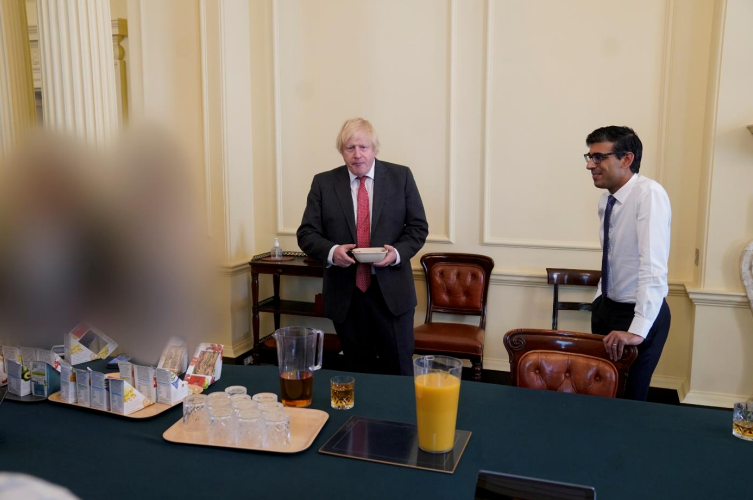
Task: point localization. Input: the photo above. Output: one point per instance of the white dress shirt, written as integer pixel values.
(355, 183)
(638, 248)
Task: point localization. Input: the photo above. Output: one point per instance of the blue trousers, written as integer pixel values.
(608, 315)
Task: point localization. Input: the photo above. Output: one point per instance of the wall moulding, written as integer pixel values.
(144, 51)
(712, 105)
(718, 298)
(240, 348)
(538, 280)
(487, 239)
(542, 244)
(205, 115)
(719, 400)
(666, 84)
(448, 238)
(224, 132)
(509, 278)
(230, 270)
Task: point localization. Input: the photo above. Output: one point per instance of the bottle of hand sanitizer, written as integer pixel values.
(276, 252)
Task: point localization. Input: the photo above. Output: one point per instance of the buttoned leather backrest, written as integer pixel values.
(457, 286)
(567, 362)
(457, 283)
(563, 372)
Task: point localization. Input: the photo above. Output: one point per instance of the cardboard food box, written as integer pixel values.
(125, 399)
(85, 343)
(12, 353)
(83, 387)
(19, 378)
(170, 388)
(100, 391)
(146, 381)
(3, 369)
(45, 380)
(49, 357)
(126, 372)
(206, 365)
(174, 356)
(67, 382)
(9, 353)
(28, 354)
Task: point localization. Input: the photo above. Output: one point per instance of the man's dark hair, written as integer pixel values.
(625, 140)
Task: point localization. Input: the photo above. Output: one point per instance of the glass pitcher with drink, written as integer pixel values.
(299, 353)
(437, 383)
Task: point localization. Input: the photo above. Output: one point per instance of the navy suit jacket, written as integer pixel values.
(397, 219)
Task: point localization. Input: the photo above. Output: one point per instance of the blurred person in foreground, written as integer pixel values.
(107, 238)
(635, 216)
(367, 203)
(14, 486)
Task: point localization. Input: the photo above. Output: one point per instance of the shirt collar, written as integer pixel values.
(369, 174)
(625, 190)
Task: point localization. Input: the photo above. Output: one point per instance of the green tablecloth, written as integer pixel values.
(625, 449)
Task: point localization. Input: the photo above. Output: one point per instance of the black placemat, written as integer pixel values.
(394, 443)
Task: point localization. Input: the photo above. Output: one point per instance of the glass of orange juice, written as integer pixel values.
(437, 383)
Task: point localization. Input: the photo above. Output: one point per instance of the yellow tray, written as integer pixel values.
(305, 425)
(150, 411)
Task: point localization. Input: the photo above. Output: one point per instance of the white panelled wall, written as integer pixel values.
(489, 102)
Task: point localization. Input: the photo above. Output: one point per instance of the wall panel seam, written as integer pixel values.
(205, 115)
(485, 189)
(224, 132)
(278, 115)
(666, 85)
(144, 53)
(711, 137)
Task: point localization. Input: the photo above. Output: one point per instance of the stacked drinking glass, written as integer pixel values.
(233, 417)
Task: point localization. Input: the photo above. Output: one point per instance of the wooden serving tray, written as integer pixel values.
(148, 412)
(277, 259)
(305, 425)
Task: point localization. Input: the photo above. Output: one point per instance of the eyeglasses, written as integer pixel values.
(597, 157)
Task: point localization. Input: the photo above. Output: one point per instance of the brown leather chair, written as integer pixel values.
(566, 362)
(578, 277)
(456, 283)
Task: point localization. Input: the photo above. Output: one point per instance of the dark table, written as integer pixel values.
(625, 449)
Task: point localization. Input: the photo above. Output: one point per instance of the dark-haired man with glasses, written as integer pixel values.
(635, 216)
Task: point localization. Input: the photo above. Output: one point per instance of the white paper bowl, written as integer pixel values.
(369, 255)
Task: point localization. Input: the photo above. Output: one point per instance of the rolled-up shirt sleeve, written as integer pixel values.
(654, 216)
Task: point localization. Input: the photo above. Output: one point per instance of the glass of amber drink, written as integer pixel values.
(342, 392)
(742, 421)
(437, 383)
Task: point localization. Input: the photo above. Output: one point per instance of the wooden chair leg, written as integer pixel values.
(476, 369)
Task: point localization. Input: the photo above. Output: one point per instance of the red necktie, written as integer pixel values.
(363, 234)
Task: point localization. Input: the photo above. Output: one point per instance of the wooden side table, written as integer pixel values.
(299, 266)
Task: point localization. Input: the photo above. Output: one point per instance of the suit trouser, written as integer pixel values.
(608, 315)
(373, 339)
